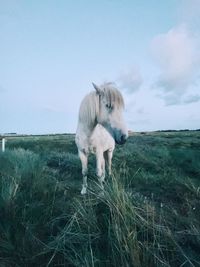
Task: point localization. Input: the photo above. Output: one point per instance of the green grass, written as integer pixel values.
(148, 215)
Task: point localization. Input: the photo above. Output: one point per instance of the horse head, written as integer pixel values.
(110, 114)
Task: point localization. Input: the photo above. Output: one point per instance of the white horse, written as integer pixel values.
(100, 123)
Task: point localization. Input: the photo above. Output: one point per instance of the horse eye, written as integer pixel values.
(109, 107)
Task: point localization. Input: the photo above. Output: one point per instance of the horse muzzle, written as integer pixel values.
(120, 138)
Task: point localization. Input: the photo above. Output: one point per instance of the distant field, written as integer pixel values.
(148, 216)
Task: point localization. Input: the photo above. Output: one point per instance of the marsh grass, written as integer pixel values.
(148, 214)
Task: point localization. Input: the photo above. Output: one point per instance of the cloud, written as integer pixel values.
(192, 99)
(177, 56)
(171, 99)
(130, 80)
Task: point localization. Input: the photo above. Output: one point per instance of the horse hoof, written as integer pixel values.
(83, 191)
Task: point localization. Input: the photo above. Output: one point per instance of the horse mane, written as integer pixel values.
(89, 108)
(113, 95)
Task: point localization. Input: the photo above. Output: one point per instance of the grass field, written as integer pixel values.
(149, 214)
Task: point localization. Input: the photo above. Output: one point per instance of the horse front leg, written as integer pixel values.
(84, 161)
(100, 168)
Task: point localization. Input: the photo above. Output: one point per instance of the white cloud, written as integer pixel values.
(130, 80)
(177, 55)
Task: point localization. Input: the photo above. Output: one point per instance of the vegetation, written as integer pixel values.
(148, 215)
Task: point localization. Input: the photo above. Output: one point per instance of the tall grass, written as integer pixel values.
(147, 215)
(115, 229)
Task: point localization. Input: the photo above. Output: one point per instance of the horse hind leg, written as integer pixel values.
(103, 174)
(109, 155)
(84, 161)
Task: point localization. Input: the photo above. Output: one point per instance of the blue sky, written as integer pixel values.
(51, 52)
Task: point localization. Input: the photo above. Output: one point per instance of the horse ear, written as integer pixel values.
(97, 88)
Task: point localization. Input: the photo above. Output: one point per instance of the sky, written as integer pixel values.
(52, 51)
